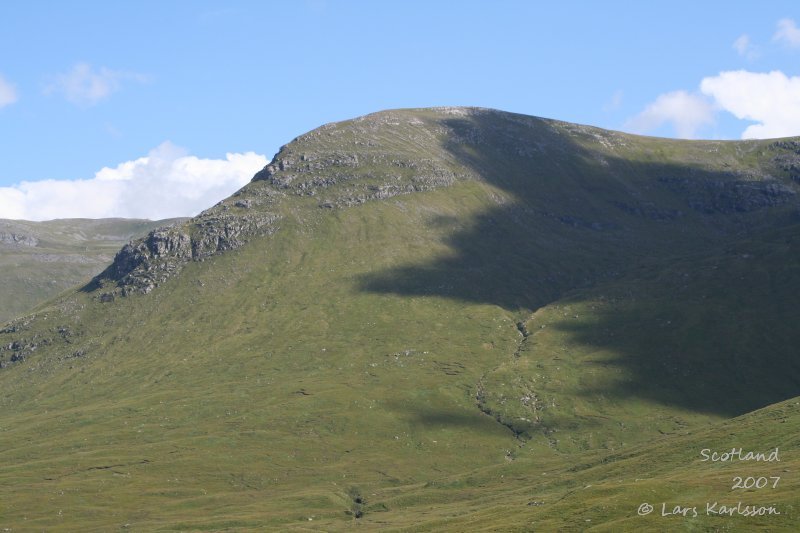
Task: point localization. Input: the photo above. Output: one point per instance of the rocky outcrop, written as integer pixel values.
(28, 342)
(16, 239)
(729, 194)
(142, 265)
(788, 158)
(365, 159)
(218, 233)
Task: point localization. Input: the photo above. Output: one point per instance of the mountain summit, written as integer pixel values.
(449, 318)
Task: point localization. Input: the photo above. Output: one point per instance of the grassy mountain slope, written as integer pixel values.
(42, 259)
(426, 319)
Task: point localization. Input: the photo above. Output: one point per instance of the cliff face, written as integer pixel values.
(143, 264)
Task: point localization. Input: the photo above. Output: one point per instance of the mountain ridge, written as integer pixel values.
(217, 229)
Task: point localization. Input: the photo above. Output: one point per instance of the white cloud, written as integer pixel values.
(771, 99)
(8, 93)
(745, 47)
(85, 86)
(686, 113)
(788, 33)
(166, 183)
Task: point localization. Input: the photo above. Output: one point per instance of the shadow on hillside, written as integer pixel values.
(717, 335)
(580, 217)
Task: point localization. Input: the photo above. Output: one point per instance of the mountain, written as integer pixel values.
(39, 260)
(433, 319)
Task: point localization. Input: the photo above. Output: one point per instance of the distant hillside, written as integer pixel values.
(449, 319)
(42, 259)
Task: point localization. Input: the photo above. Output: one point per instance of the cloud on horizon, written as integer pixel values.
(686, 112)
(8, 92)
(166, 183)
(770, 99)
(85, 86)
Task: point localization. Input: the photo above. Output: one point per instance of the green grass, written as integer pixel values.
(368, 359)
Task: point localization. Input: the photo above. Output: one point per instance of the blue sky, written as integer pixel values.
(187, 98)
